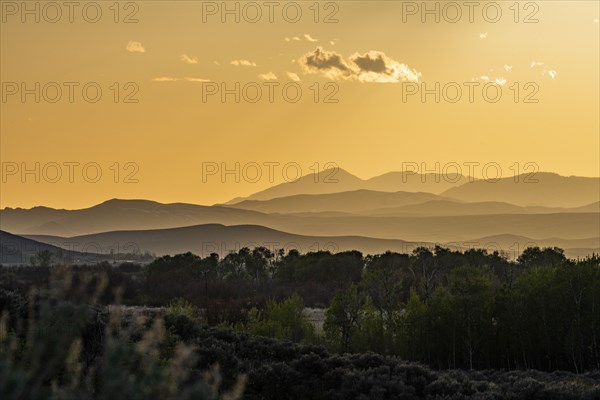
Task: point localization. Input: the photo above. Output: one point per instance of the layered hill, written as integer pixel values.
(540, 189)
(337, 180)
(16, 249)
(221, 239)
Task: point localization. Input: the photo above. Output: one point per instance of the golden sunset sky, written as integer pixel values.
(373, 54)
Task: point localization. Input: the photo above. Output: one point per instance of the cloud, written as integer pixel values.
(500, 81)
(197, 79)
(292, 39)
(483, 35)
(268, 76)
(508, 68)
(164, 79)
(243, 63)
(135, 47)
(293, 76)
(545, 70)
(329, 63)
(373, 66)
(309, 38)
(188, 60)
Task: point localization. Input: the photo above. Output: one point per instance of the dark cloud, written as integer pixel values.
(371, 62)
(373, 66)
(325, 60)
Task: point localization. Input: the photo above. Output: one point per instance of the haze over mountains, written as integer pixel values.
(555, 211)
(118, 214)
(16, 249)
(355, 201)
(206, 239)
(335, 180)
(540, 189)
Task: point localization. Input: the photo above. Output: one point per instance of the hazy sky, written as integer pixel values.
(370, 61)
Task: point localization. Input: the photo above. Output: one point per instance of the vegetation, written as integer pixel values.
(431, 324)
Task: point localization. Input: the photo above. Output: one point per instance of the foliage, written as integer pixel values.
(54, 348)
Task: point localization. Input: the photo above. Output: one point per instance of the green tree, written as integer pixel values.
(342, 318)
(44, 258)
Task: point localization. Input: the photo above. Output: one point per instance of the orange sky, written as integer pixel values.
(369, 60)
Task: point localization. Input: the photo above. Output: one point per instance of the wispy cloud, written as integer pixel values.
(310, 38)
(293, 76)
(269, 76)
(188, 60)
(243, 63)
(544, 69)
(197, 79)
(164, 79)
(483, 35)
(173, 79)
(292, 39)
(135, 47)
(500, 81)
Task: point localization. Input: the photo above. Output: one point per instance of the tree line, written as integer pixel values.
(448, 309)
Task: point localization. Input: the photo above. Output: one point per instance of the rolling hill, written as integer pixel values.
(456, 208)
(209, 238)
(118, 214)
(349, 202)
(145, 215)
(16, 249)
(206, 239)
(540, 189)
(338, 180)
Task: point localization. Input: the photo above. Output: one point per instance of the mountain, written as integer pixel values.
(206, 239)
(209, 238)
(16, 249)
(413, 182)
(456, 208)
(116, 215)
(335, 180)
(540, 189)
(349, 202)
(145, 215)
(332, 180)
(444, 228)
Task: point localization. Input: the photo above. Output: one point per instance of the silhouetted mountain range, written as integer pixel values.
(357, 217)
(338, 180)
(540, 189)
(118, 214)
(16, 249)
(143, 215)
(349, 202)
(205, 239)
